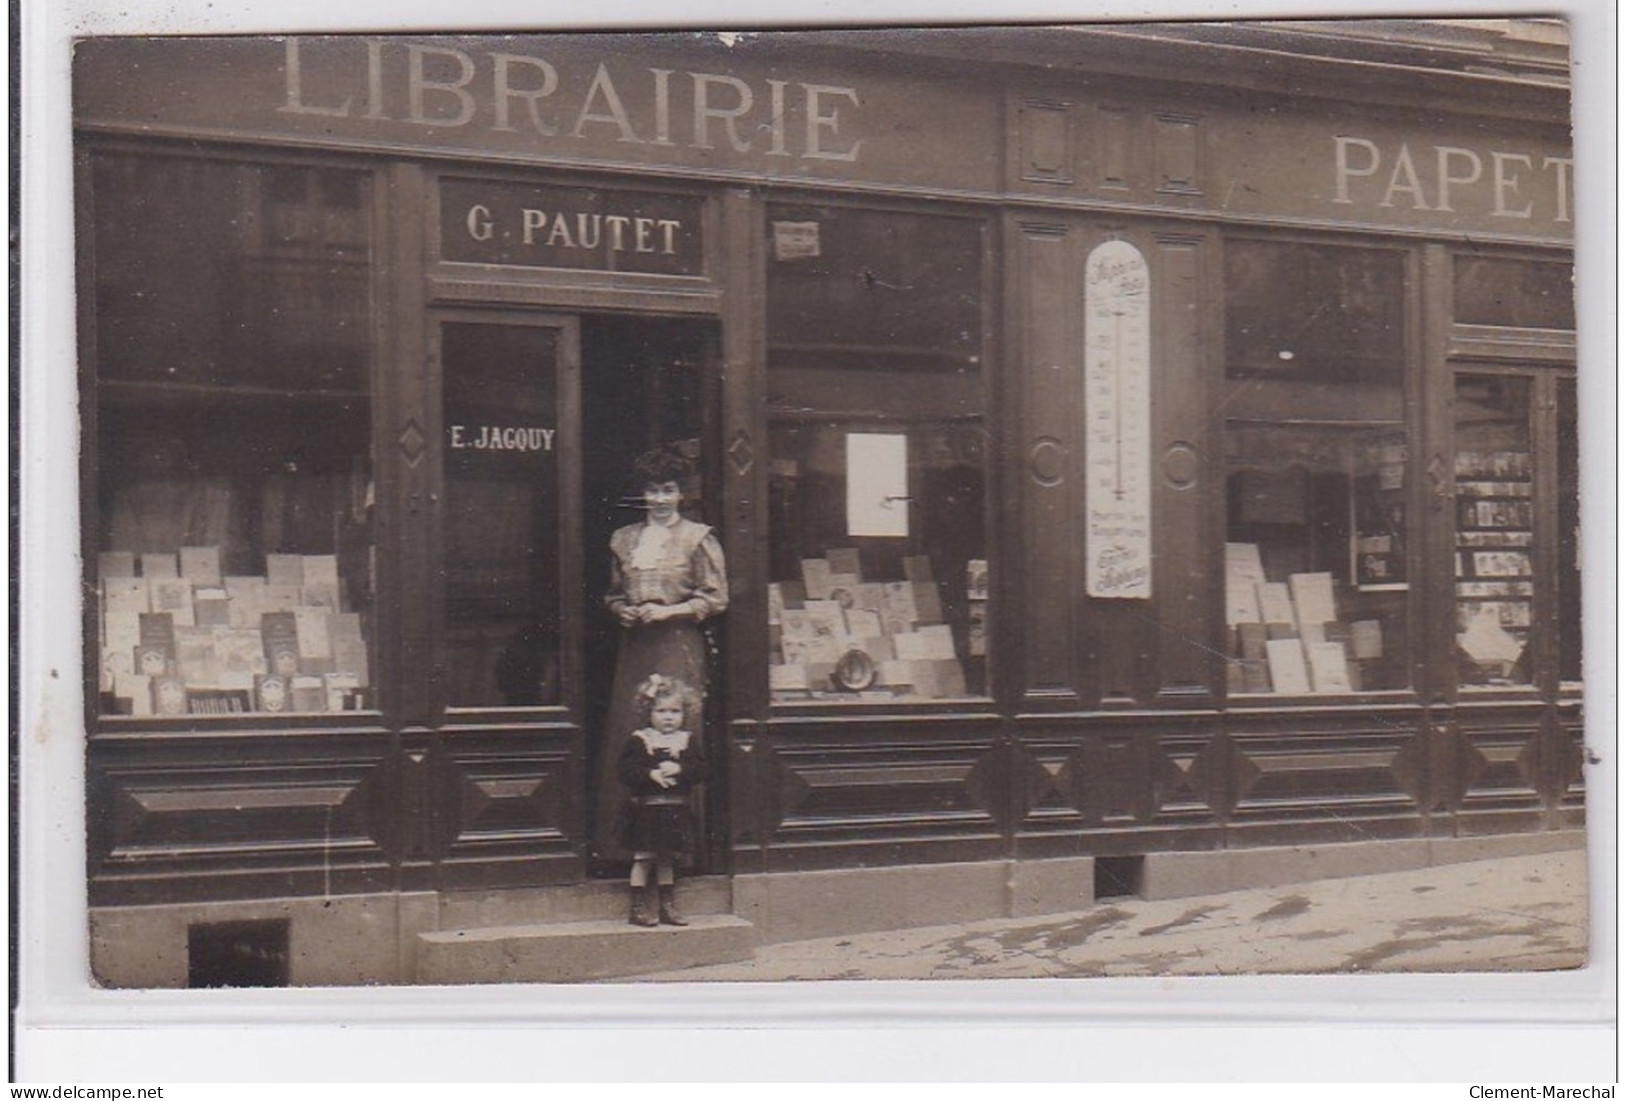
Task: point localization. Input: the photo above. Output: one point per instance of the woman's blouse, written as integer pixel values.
(672, 564)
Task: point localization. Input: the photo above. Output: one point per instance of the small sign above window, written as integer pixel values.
(490, 222)
(795, 240)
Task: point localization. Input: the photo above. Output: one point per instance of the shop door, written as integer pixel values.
(510, 750)
(647, 383)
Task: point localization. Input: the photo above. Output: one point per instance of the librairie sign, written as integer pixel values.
(499, 222)
(707, 104)
(449, 86)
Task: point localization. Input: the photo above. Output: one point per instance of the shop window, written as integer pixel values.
(1306, 311)
(501, 514)
(1319, 469)
(1517, 550)
(1495, 530)
(878, 548)
(233, 463)
(1522, 294)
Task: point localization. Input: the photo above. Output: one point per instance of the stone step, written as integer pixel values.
(594, 900)
(562, 952)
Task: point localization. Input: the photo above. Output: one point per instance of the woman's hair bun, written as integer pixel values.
(663, 465)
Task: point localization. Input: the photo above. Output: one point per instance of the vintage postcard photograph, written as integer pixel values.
(726, 523)
(983, 501)
(836, 504)
(570, 521)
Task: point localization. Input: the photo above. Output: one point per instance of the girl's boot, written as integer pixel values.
(668, 906)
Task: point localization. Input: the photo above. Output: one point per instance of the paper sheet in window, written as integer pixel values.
(826, 618)
(123, 637)
(197, 655)
(844, 560)
(862, 623)
(798, 626)
(939, 642)
(200, 565)
(127, 595)
(313, 628)
(137, 689)
(815, 573)
(285, 569)
(1328, 665)
(1275, 603)
(1288, 670)
(1313, 598)
(1485, 640)
(1243, 573)
(787, 678)
(909, 646)
(349, 647)
(173, 595)
(871, 597)
(115, 564)
(1366, 638)
(159, 565)
(876, 484)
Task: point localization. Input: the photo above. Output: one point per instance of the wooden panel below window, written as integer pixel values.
(1312, 778)
(1502, 761)
(510, 804)
(175, 818)
(903, 794)
(1573, 754)
(1119, 783)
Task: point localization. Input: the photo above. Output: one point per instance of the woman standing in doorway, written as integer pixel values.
(667, 576)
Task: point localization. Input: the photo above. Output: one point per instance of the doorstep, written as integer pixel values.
(578, 951)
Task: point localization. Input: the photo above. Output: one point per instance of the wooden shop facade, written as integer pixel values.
(1138, 452)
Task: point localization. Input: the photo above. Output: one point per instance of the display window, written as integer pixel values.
(233, 533)
(1517, 535)
(1318, 563)
(1495, 553)
(879, 583)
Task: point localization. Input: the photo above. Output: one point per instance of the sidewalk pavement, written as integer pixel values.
(1523, 913)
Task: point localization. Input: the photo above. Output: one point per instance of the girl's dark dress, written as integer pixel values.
(656, 819)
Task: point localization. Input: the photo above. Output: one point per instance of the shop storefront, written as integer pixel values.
(1129, 463)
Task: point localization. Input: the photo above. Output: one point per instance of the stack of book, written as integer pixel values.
(179, 638)
(1286, 636)
(896, 625)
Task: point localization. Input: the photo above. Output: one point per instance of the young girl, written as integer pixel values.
(659, 767)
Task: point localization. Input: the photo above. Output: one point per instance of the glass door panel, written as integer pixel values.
(1495, 547)
(501, 391)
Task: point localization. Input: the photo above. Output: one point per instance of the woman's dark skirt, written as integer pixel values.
(676, 649)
